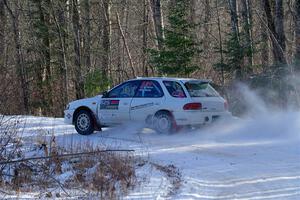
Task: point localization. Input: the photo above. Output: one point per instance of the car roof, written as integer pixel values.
(184, 80)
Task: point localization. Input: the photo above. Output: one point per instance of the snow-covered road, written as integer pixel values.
(242, 159)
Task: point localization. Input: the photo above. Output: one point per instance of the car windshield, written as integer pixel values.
(200, 89)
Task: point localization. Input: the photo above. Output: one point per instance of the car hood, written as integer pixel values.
(88, 102)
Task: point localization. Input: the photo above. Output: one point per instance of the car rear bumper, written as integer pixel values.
(197, 117)
(68, 118)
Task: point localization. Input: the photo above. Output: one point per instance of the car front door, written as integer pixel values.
(146, 101)
(115, 105)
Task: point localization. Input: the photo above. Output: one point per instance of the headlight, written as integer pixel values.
(68, 106)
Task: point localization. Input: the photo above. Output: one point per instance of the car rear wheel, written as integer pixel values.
(163, 122)
(84, 122)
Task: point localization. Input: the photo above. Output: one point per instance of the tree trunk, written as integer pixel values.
(277, 41)
(106, 38)
(234, 17)
(247, 29)
(21, 71)
(235, 34)
(207, 17)
(158, 21)
(145, 38)
(297, 36)
(193, 10)
(46, 58)
(220, 44)
(62, 38)
(79, 84)
(125, 45)
(2, 35)
(87, 35)
(120, 59)
(279, 24)
(264, 54)
(60, 23)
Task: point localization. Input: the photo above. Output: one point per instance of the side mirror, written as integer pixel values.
(104, 94)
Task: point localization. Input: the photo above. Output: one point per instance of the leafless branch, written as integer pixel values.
(65, 155)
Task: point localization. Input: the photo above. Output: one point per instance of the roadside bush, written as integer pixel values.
(49, 170)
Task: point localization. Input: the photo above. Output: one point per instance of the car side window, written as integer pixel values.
(149, 89)
(174, 89)
(125, 90)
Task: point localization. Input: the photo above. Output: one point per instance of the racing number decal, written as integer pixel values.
(109, 104)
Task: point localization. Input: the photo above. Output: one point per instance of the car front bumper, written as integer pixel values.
(68, 118)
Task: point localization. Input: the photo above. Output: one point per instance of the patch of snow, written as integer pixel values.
(62, 178)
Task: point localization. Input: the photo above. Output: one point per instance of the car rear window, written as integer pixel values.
(174, 89)
(200, 89)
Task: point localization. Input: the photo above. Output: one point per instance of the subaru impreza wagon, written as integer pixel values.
(161, 103)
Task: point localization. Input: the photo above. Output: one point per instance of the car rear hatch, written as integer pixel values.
(210, 104)
(204, 93)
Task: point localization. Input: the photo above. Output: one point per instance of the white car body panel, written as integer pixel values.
(141, 108)
(112, 111)
(114, 116)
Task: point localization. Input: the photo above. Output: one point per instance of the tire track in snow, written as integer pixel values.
(233, 183)
(120, 139)
(210, 189)
(247, 196)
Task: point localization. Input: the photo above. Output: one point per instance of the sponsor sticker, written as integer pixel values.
(109, 104)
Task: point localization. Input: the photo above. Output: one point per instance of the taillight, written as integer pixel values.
(192, 106)
(226, 105)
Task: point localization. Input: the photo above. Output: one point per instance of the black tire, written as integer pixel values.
(163, 122)
(84, 122)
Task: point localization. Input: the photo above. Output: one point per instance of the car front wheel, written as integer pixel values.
(84, 122)
(163, 122)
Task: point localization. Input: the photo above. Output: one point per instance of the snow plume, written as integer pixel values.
(262, 96)
(260, 118)
(252, 102)
(294, 98)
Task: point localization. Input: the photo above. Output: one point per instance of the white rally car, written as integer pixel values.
(161, 103)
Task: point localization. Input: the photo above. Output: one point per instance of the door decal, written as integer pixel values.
(109, 104)
(142, 106)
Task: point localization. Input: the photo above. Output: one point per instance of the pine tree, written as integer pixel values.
(179, 47)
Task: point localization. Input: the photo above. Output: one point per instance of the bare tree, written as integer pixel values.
(277, 40)
(193, 10)
(125, 45)
(220, 45)
(87, 34)
(247, 29)
(279, 24)
(145, 37)
(235, 34)
(2, 34)
(264, 54)
(19, 56)
(121, 73)
(60, 24)
(297, 35)
(106, 36)
(234, 17)
(44, 19)
(207, 17)
(158, 21)
(79, 84)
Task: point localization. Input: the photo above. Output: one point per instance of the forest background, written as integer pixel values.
(55, 51)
